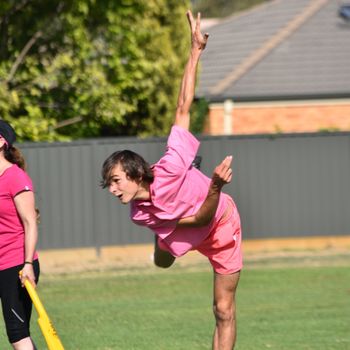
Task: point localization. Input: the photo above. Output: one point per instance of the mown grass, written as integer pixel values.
(278, 308)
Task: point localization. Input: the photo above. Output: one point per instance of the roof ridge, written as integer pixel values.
(266, 47)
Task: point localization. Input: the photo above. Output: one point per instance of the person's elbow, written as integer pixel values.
(202, 220)
(194, 221)
(29, 222)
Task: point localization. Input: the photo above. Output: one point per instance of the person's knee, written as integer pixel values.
(16, 335)
(224, 312)
(163, 260)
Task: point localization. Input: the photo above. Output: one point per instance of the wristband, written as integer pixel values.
(28, 262)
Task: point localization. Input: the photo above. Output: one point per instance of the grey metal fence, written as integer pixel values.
(284, 186)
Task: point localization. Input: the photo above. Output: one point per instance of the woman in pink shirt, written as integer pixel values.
(185, 209)
(18, 238)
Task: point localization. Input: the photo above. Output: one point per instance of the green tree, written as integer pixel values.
(199, 112)
(71, 69)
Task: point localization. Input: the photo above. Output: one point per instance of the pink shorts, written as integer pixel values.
(223, 245)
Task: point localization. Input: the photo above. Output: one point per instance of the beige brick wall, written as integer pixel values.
(281, 117)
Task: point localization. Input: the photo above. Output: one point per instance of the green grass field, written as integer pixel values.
(278, 308)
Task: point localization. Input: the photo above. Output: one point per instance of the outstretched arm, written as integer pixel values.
(186, 94)
(222, 175)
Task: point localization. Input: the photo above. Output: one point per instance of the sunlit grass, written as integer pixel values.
(278, 308)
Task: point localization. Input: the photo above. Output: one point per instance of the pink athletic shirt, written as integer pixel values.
(12, 181)
(178, 191)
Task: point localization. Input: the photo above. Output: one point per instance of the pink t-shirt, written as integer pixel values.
(178, 191)
(12, 181)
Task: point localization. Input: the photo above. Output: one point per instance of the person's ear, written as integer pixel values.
(2, 142)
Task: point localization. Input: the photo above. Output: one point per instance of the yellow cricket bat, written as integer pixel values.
(46, 326)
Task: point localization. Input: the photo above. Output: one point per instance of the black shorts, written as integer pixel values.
(16, 303)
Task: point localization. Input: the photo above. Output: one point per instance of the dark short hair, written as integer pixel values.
(135, 167)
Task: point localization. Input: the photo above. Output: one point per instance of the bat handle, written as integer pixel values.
(34, 296)
(45, 324)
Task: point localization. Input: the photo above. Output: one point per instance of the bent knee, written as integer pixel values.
(164, 261)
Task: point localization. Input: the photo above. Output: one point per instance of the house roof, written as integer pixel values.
(279, 50)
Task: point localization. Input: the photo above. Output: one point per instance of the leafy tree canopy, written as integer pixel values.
(85, 68)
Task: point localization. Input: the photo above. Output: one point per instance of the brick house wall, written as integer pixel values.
(276, 117)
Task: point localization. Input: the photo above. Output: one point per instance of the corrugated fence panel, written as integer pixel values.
(284, 186)
(292, 186)
(63, 181)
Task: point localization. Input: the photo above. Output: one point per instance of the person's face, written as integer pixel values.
(121, 186)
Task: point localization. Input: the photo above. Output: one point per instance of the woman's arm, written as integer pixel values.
(25, 205)
(222, 175)
(186, 94)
